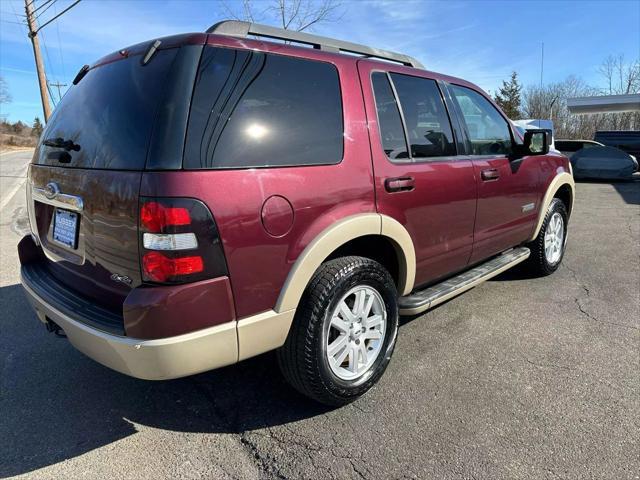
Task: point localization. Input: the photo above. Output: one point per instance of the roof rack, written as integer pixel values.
(236, 28)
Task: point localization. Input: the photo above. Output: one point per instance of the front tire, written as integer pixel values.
(547, 250)
(344, 331)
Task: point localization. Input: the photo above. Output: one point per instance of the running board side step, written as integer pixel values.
(419, 301)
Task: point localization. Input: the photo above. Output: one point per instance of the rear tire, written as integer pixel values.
(547, 250)
(343, 333)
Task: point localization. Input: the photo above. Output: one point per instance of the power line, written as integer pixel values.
(37, 55)
(42, 5)
(45, 89)
(64, 72)
(43, 12)
(58, 85)
(46, 52)
(61, 13)
(9, 21)
(16, 14)
(53, 100)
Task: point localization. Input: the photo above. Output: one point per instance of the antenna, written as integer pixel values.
(541, 65)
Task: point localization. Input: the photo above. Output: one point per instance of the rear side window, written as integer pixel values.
(252, 109)
(426, 122)
(391, 131)
(488, 131)
(109, 115)
(425, 117)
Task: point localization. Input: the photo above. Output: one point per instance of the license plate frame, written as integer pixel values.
(65, 228)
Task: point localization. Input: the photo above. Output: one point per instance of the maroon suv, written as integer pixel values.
(204, 198)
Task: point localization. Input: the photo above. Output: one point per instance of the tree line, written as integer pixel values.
(617, 77)
(19, 134)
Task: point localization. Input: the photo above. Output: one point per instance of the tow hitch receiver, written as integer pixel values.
(53, 327)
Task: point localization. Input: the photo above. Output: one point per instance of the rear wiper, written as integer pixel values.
(59, 142)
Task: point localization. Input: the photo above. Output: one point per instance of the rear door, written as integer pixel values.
(419, 178)
(508, 193)
(85, 176)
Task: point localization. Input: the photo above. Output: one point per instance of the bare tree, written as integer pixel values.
(289, 14)
(621, 78)
(550, 101)
(5, 96)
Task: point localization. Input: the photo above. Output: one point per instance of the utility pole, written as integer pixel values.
(42, 78)
(58, 85)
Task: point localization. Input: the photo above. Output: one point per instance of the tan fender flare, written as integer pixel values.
(268, 330)
(339, 234)
(561, 179)
(405, 252)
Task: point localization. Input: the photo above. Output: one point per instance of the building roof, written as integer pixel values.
(604, 104)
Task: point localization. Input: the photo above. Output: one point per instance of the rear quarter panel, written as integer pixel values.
(258, 262)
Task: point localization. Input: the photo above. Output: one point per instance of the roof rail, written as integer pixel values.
(236, 28)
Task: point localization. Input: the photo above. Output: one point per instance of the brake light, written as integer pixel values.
(155, 217)
(179, 241)
(160, 268)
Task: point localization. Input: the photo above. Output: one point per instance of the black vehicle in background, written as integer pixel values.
(595, 160)
(627, 141)
(569, 147)
(605, 163)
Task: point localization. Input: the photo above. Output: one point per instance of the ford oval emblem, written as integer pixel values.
(51, 190)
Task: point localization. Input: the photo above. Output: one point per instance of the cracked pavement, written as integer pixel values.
(517, 378)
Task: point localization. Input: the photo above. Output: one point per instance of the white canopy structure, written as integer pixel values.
(604, 104)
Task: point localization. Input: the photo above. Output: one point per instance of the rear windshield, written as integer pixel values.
(252, 109)
(108, 115)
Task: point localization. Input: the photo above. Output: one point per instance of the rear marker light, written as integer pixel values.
(155, 216)
(176, 241)
(160, 268)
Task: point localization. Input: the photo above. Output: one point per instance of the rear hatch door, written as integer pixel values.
(85, 177)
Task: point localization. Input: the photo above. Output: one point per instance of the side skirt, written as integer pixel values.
(422, 300)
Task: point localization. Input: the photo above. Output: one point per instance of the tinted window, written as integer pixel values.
(488, 130)
(252, 109)
(568, 145)
(391, 131)
(425, 116)
(109, 114)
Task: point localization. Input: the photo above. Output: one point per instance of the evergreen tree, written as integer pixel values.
(508, 97)
(37, 127)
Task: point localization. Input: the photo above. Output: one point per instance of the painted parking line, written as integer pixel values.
(9, 196)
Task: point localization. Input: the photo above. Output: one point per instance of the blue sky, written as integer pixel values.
(481, 41)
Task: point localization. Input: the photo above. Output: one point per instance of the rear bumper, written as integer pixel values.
(157, 359)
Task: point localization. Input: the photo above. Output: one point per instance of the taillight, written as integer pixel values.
(179, 241)
(155, 217)
(160, 268)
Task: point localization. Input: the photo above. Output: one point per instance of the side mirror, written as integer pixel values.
(536, 142)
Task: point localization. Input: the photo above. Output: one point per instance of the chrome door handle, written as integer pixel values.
(490, 174)
(399, 184)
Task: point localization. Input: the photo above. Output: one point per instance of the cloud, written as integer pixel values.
(18, 70)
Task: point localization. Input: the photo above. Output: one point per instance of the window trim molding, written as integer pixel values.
(411, 160)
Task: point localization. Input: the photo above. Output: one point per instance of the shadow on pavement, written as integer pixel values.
(629, 190)
(57, 404)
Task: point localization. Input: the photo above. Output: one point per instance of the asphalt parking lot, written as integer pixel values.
(518, 378)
